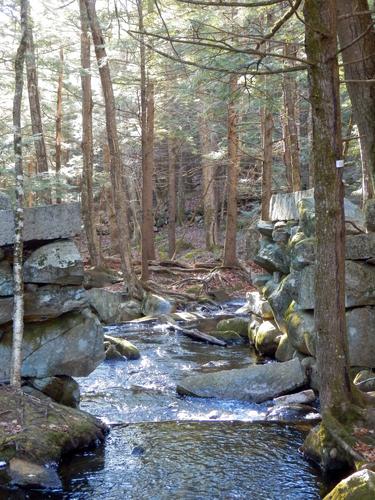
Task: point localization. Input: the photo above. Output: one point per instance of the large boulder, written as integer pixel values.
(62, 389)
(361, 336)
(237, 325)
(306, 211)
(301, 330)
(56, 263)
(256, 383)
(285, 351)
(302, 251)
(360, 246)
(113, 306)
(155, 305)
(282, 296)
(273, 258)
(40, 434)
(69, 345)
(44, 223)
(370, 215)
(267, 338)
(46, 302)
(360, 285)
(358, 486)
(5, 202)
(255, 304)
(6, 279)
(283, 206)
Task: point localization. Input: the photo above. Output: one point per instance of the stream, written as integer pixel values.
(163, 446)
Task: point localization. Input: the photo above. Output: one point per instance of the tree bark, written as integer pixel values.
(58, 136)
(87, 194)
(332, 349)
(230, 245)
(121, 202)
(208, 180)
(172, 203)
(147, 130)
(290, 98)
(267, 130)
(33, 92)
(357, 41)
(18, 307)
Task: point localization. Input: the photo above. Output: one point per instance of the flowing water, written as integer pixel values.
(163, 446)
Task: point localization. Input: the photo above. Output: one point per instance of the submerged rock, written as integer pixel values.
(290, 412)
(256, 383)
(30, 475)
(358, 486)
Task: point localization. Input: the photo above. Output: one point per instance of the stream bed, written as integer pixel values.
(163, 446)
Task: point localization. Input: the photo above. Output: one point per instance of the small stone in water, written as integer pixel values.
(138, 450)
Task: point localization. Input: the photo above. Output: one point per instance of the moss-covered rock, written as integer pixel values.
(358, 486)
(41, 431)
(123, 347)
(285, 350)
(267, 338)
(238, 325)
(365, 380)
(322, 449)
(229, 336)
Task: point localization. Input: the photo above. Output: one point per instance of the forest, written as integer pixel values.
(187, 249)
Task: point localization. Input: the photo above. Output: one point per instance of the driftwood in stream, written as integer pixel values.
(197, 335)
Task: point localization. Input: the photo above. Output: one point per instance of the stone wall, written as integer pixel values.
(62, 336)
(283, 309)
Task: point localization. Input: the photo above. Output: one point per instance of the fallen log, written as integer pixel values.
(196, 335)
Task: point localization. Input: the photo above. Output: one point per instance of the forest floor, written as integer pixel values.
(194, 273)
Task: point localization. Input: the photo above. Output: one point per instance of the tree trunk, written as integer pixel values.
(119, 194)
(332, 349)
(18, 308)
(147, 128)
(267, 129)
(33, 91)
(172, 168)
(208, 180)
(230, 245)
(58, 136)
(88, 209)
(290, 98)
(359, 66)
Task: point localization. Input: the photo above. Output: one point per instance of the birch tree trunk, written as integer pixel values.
(18, 308)
(330, 325)
(121, 202)
(88, 212)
